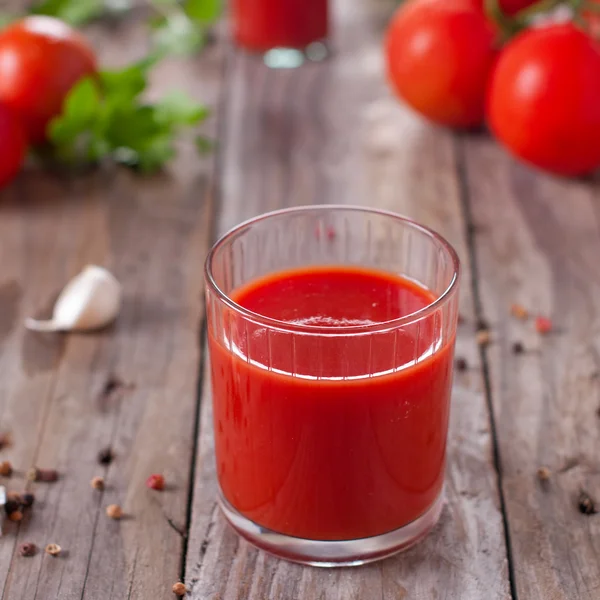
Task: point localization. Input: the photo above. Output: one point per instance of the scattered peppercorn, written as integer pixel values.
(543, 325)
(53, 549)
(112, 385)
(6, 469)
(461, 319)
(45, 475)
(5, 440)
(114, 511)
(97, 483)
(156, 482)
(483, 337)
(586, 504)
(27, 549)
(179, 589)
(106, 456)
(482, 324)
(519, 311)
(461, 364)
(544, 473)
(14, 496)
(15, 516)
(27, 500)
(518, 348)
(12, 506)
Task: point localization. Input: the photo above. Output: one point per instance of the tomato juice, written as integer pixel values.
(261, 25)
(322, 432)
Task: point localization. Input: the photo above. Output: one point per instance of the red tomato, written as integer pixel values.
(439, 55)
(41, 58)
(543, 100)
(13, 145)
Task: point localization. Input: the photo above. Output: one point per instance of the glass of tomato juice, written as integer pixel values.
(286, 31)
(331, 333)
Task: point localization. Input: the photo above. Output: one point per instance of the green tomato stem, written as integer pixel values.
(590, 7)
(543, 6)
(505, 23)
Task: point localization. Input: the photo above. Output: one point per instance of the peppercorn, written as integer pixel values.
(179, 589)
(6, 469)
(543, 325)
(518, 348)
(461, 364)
(12, 506)
(53, 549)
(519, 311)
(45, 475)
(156, 482)
(114, 511)
(27, 500)
(586, 504)
(15, 516)
(106, 456)
(544, 473)
(481, 324)
(483, 337)
(5, 440)
(97, 483)
(27, 549)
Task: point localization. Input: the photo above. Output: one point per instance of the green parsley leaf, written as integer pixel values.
(181, 26)
(79, 112)
(178, 35)
(107, 119)
(203, 11)
(74, 12)
(178, 109)
(128, 82)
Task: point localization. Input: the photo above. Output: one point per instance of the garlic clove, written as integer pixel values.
(91, 300)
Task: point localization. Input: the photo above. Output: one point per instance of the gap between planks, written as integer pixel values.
(465, 202)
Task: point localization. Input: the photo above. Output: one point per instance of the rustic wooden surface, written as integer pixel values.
(541, 249)
(56, 395)
(319, 134)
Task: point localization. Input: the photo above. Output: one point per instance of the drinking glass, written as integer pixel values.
(331, 440)
(286, 32)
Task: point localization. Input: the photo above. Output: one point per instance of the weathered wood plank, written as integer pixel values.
(538, 243)
(55, 391)
(332, 133)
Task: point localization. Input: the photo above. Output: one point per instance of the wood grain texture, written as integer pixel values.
(332, 133)
(538, 244)
(56, 395)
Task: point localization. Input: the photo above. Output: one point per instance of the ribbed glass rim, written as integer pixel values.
(333, 329)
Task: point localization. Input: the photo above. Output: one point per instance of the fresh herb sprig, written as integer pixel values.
(107, 118)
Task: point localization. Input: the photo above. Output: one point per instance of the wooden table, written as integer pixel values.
(322, 133)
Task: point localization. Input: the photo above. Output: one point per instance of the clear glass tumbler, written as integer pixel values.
(330, 429)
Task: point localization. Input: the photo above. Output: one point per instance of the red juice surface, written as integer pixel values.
(264, 24)
(331, 437)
